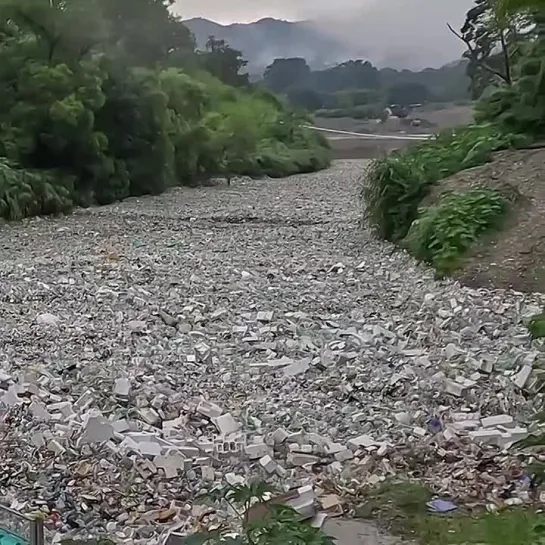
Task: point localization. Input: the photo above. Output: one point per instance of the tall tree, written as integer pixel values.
(62, 31)
(284, 74)
(145, 32)
(356, 74)
(493, 44)
(224, 62)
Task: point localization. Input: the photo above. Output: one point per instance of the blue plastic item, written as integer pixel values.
(9, 538)
(441, 506)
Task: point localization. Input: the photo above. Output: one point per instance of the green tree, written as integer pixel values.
(146, 33)
(284, 74)
(224, 62)
(494, 43)
(521, 108)
(102, 99)
(354, 74)
(505, 7)
(59, 30)
(135, 119)
(405, 94)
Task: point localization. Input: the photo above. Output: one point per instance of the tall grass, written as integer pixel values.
(396, 185)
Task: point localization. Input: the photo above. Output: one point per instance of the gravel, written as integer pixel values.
(340, 356)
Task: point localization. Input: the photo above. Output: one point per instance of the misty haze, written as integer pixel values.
(400, 34)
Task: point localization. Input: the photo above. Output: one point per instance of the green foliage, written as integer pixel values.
(520, 108)
(108, 94)
(372, 111)
(280, 527)
(135, 120)
(396, 185)
(505, 7)
(402, 508)
(494, 45)
(408, 93)
(354, 84)
(28, 193)
(224, 62)
(442, 233)
(536, 326)
(284, 74)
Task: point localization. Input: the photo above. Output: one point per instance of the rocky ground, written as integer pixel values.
(155, 348)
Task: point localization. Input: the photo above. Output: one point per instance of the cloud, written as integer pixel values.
(250, 10)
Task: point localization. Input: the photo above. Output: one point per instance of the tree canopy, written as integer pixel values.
(361, 89)
(103, 99)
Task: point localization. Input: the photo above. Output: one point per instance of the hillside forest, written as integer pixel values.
(358, 89)
(104, 99)
(355, 88)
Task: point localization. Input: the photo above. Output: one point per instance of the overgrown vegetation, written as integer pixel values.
(396, 185)
(444, 232)
(402, 508)
(356, 88)
(510, 113)
(103, 99)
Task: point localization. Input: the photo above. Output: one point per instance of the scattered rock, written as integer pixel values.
(287, 351)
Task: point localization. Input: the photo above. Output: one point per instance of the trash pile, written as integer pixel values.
(147, 359)
(127, 455)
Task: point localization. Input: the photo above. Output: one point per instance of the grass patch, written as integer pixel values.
(443, 233)
(536, 326)
(402, 509)
(397, 184)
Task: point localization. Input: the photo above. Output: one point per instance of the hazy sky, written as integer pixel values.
(228, 11)
(407, 33)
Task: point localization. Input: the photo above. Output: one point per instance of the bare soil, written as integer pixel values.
(515, 256)
(358, 148)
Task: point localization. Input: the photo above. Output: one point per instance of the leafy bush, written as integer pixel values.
(444, 232)
(536, 326)
(395, 185)
(120, 112)
(27, 193)
(281, 527)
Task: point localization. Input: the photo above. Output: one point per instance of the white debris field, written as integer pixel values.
(157, 348)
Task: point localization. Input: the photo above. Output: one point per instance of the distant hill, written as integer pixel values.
(401, 34)
(265, 40)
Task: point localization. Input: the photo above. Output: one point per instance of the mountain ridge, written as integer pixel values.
(266, 39)
(386, 41)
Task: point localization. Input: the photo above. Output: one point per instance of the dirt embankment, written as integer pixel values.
(515, 256)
